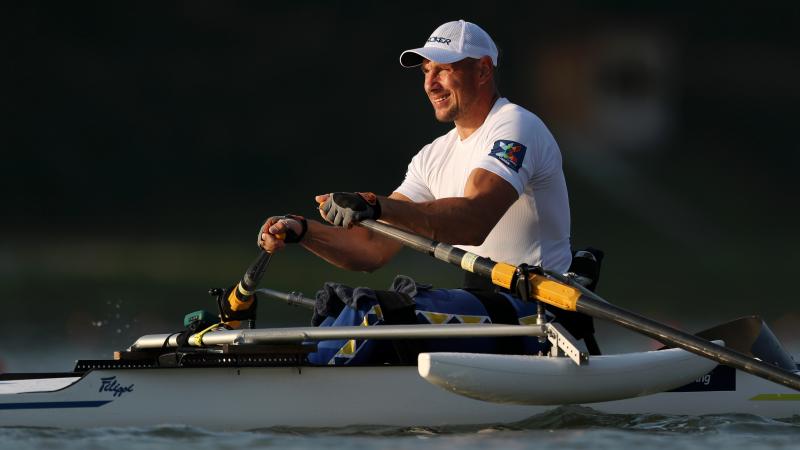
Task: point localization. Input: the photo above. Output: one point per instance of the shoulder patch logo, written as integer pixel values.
(509, 153)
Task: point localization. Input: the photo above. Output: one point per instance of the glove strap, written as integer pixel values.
(372, 201)
(291, 236)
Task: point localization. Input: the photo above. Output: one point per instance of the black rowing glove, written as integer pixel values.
(344, 209)
(291, 236)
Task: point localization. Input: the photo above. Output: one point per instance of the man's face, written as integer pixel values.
(451, 88)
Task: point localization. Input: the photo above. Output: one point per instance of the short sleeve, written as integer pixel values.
(415, 185)
(510, 151)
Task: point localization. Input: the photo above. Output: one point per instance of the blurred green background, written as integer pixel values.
(144, 144)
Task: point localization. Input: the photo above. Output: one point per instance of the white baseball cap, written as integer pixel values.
(452, 42)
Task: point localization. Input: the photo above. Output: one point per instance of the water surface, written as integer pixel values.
(561, 428)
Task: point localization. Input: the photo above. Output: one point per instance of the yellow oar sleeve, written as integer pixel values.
(239, 305)
(503, 274)
(554, 293)
(544, 289)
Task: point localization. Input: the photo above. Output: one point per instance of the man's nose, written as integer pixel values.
(431, 81)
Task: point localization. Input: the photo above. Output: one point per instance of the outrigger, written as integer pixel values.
(253, 378)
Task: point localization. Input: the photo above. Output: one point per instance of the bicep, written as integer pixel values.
(490, 194)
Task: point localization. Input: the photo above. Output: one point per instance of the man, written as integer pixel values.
(493, 185)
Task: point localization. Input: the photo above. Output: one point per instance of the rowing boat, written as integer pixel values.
(239, 379)
(263, 381)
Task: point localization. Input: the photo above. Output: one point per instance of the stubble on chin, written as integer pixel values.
(446, 116)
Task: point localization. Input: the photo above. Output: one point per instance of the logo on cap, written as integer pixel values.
(439, 40)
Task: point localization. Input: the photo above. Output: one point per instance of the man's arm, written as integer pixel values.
(355, 248)
(456, 220)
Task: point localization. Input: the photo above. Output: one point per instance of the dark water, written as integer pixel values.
(562, 428)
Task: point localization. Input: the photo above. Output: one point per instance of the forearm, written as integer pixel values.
(463, 220)
(356, 248)
(455, 220)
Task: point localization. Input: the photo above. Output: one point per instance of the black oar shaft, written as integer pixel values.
(564, 296)
(255, 272)
(241, 296)
(439, 250)
(600, 309)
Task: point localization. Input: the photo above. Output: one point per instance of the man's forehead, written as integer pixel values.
(427, 63)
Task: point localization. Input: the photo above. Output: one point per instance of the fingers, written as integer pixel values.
(272, 233)
(333, 213)
(347, 219)
(277, 228)
(270, 243)
(326, 209)
(338, 217)
(325, 202)
(265, 229)
(283, 225)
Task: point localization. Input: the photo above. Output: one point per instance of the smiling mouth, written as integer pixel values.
(438, 100)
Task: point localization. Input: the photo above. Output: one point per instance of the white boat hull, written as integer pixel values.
(251, 398)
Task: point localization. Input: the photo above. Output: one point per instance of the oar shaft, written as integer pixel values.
(439, 250)
(241, 297)
(502, 274)
(601, 309)
(573, 298)
(255, 272)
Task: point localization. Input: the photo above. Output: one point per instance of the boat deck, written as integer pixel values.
(22, 383)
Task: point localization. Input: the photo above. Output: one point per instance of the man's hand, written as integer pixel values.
(278, 231)
(346, 208)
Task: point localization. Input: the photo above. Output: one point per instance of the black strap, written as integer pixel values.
(400, 309)
(397, 308)
(291, 236)
(478, 283)
(500, 310)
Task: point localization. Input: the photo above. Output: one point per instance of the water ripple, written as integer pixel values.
(569, 427)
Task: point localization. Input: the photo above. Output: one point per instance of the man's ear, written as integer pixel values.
(485, 69)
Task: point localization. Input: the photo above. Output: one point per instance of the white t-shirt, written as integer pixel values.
(514, 144)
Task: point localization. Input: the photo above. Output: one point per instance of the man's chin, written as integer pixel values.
(445, 116)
